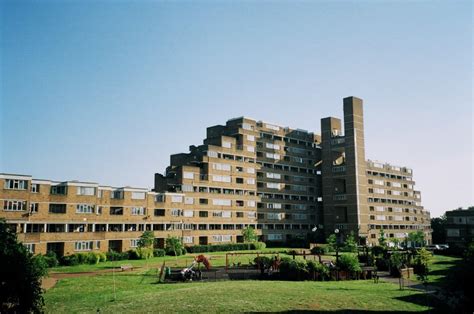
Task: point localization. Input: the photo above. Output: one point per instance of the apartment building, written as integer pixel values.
(286, 183)
(460, 227)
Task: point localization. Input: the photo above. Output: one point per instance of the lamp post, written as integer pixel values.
(336, 231)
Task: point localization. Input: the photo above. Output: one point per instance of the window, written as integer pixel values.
(272, 146)
(226, 144)
(159, 212)
(212, 154)
(138, 195)
(220, 178)
(203, 214)
(239, 214)
(221, 202)
(35, 188)
(33, 208)
(85, 190)
(221, 238)
(252, 215)
(188, 213)
(251, 138)
(273, 156)
(176, 199)
(134, 242)
(99, 210)
(188, 200)
(57, 208)
(250, 181)
(239, 180)
(188, 240)
(251, 203)
(118, 194)
(187, 188)
(84, 246)
(273, 175)
(14, 205)
(247, 126)
(250, 148)
(251, 170)
(188, 175)
(272, 185)
(221, 167)
(138, 211)
(116, 210)
(59, 190)
(30, 247)
(176, 212)
(11, 184)
(275, 237)
(84, 209)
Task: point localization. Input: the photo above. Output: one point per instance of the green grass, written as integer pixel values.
(440, 269)
(216, 259)
(138, 292)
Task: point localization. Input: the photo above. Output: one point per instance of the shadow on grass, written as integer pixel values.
(348, 311)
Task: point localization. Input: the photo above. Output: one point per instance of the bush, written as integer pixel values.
(159, 253)
(115, 256)
(293, 269)
(133, 255)
(317, 269)
(222, 247)
(349, 263)
(144, 253)
(259, 245)
(69, 260)
(396, 261)
(173, 246)
(421, 264)
(92, 258)
(51, 259)
(102, 257)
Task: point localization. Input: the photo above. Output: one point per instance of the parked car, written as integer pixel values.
(433, 247)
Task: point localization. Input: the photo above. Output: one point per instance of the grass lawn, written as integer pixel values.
(216, 259)
(440, 269)
(138, 292)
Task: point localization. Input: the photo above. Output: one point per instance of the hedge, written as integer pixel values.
(225, 247)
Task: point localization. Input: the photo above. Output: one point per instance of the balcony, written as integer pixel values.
(338, 169)
(340, 197)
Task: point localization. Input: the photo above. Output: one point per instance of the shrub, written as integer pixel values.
(173, 246)
(51, 259)
(259, 245)
(421, 264)
(144, 253)
(395, 262)
(293, 269)
(115, 256)
(317, 269)
(102, 257)
(349, 263)
(92, 258)
(159, 253)
(69, 260)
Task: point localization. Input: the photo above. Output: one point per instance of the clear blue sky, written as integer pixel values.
(105, 91)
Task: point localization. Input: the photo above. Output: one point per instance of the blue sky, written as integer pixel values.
(105, 91)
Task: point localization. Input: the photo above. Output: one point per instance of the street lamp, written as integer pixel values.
(336, 231)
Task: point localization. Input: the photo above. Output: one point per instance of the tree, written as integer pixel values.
(173, 245)
(439, 229)
(350, 245)
(382, 238)
(417, 238)
(249, 234)
(20, 284)
(422, 263)
(146, 240)
(332, 242)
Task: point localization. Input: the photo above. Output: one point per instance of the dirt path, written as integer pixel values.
(52, 278)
